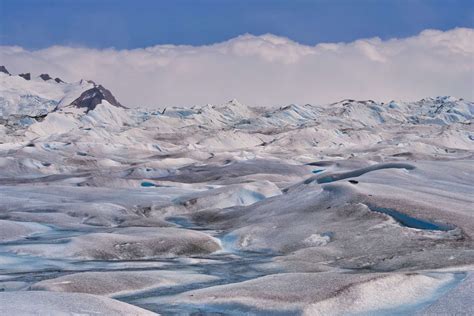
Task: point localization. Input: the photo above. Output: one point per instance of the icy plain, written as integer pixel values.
(350, 208)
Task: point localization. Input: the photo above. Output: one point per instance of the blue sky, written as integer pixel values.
(35, 24)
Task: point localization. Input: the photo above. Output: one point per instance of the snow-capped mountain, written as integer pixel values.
(39, 96)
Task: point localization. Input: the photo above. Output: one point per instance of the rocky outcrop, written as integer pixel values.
(4, 70)
(89, 99)
(45, 77)
(26, 76)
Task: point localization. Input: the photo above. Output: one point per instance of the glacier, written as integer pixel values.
(356, 207)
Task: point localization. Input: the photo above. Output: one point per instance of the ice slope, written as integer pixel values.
(43, 302)
(36, 97)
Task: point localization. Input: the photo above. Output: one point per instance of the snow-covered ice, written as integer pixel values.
(353, 207)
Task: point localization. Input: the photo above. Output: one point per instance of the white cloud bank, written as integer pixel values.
(267, 70)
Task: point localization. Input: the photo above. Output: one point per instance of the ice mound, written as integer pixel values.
(389, 294)
(127, 244)
(114, 283)
(231, 195)
(44, 303)
(11, 230)
(282, 292)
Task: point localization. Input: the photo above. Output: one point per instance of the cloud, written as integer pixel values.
(267, 70)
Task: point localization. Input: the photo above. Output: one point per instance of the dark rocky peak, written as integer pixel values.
(45, 77)
(89, 99)
(26, 76)
(4, 70)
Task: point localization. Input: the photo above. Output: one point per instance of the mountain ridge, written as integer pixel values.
(50, 110)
